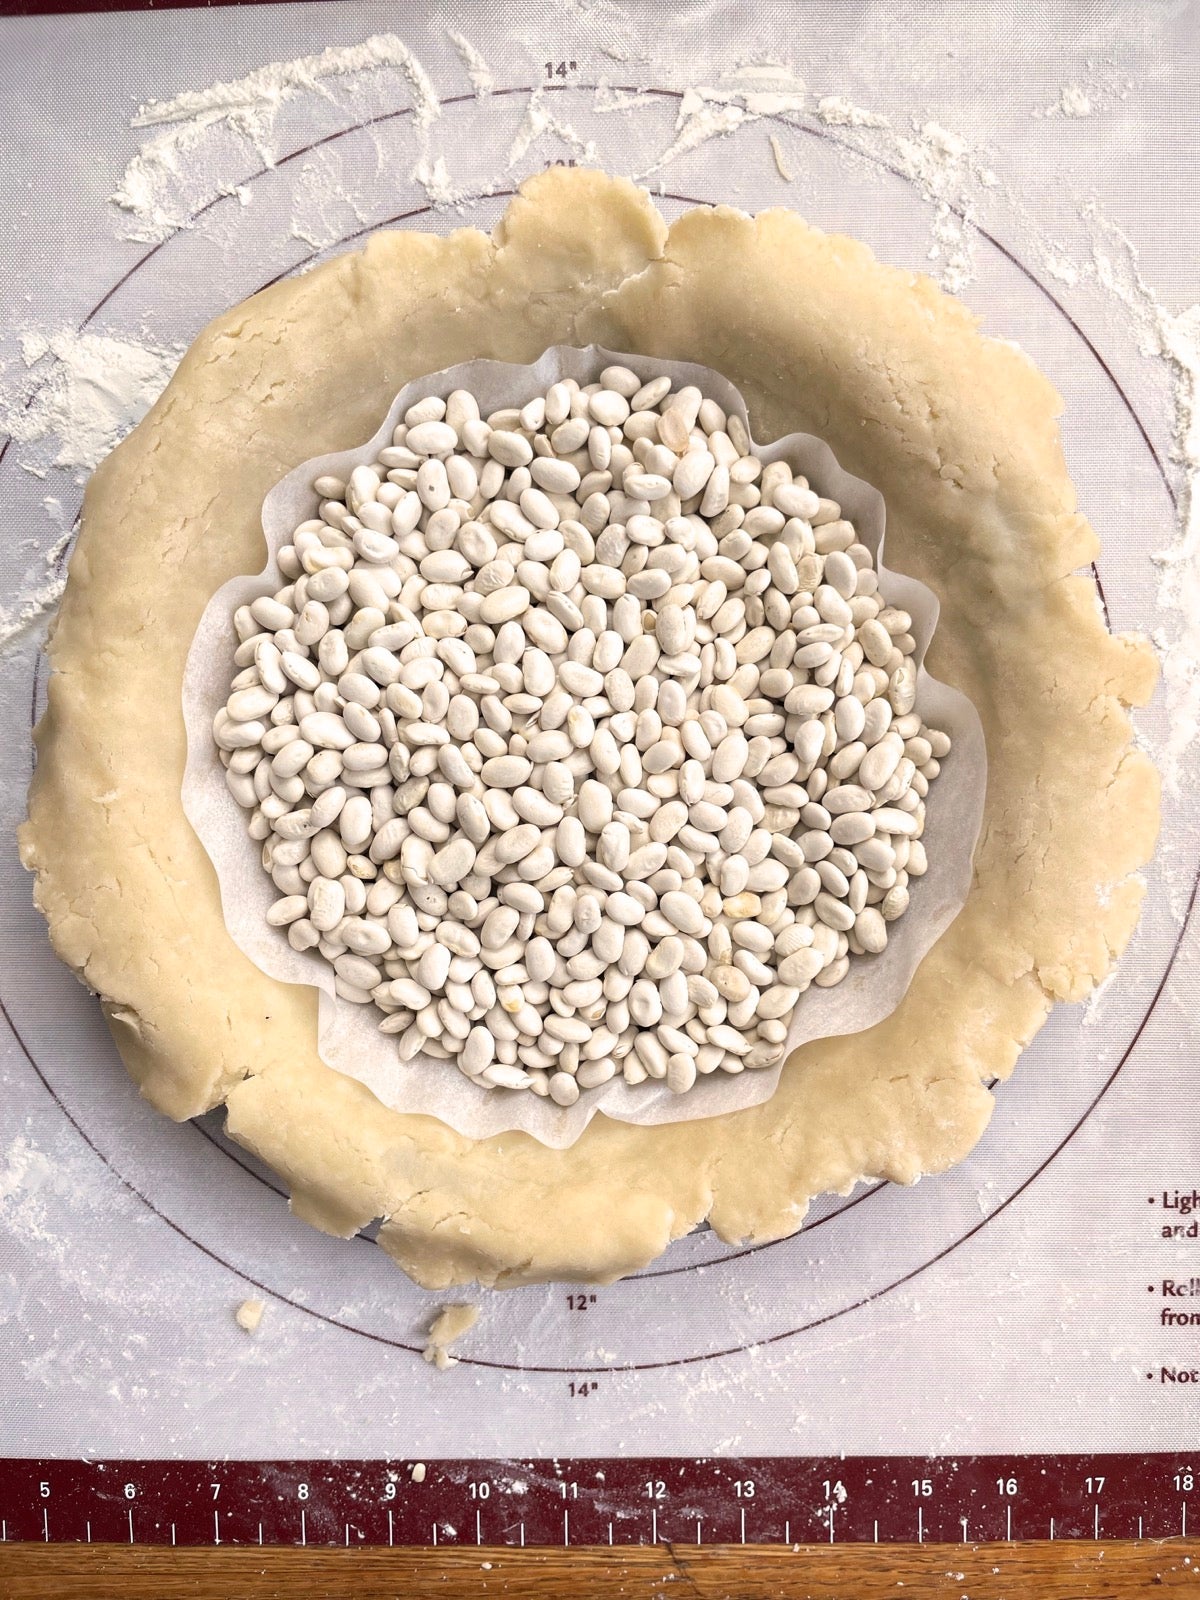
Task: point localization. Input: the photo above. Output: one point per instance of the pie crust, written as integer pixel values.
(959, 433)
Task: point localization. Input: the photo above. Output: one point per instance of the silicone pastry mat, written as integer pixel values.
(968, 1348)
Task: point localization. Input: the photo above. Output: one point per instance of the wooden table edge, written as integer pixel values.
(1062, 1570)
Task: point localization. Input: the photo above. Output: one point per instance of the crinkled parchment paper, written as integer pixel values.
(347, 1035)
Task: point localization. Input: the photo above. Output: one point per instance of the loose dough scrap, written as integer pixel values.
(250, 1314)
(450, 1324)
(959, 433)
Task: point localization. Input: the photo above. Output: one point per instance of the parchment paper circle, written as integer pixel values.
(347, 1035)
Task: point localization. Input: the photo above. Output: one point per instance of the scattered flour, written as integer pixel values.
(836, 112)
(433, 175)
(747, 94)
(97, 388)
(1175, 341)
(1072, 102)
(25, 1170)
(153, 192)
(33, 1183)
(1060, 267)
(17, 620)
(252, 100)
(609, 98)
(1094, 1006)
(476, 67)
(940, 164)
(79, 396)
(704, 114)
(1101, 87)
(540, 120)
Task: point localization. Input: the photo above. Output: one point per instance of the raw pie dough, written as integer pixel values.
(959, 433)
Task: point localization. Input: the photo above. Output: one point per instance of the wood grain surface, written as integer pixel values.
(1060, 1571)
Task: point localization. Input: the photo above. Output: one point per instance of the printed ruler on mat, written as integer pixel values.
(592, 1501)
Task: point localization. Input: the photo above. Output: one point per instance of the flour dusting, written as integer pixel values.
(1179, 584)
(609, 98)
(837, 112)
(476, 67)
(748, 93)
(541, 120)
(942, 166)
(18, 620)
(263, 91)
(1100, 86)
(157, 188)
(89, 397)
(24, 1171)
(1072, 102)
(703, 115)
(79, 395)
(152, 191)
(1175, 341)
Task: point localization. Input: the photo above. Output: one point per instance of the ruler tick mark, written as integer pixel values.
(131, 1524)
(435, 1533)
(743, 1524)
(347, 1536)
(304, 1529)
(963, 1520)
(566, 1528)
(1139, 1527)
(216, 1527)
(1096, 1524)
(46, 1524)
(876, 1533)
(609, 1533)
(89, 1533)
(654, 1527)
(1008, 1524)
(832, 1509)
(259, 1533)
(1051, 1529)
(478, 1527)
(391, 1530)
(920, 1525)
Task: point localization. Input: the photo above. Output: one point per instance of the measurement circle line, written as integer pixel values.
(642, 1366)
(687, 200)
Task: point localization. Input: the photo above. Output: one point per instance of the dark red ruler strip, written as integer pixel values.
(39, 8)
(641, 1500)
